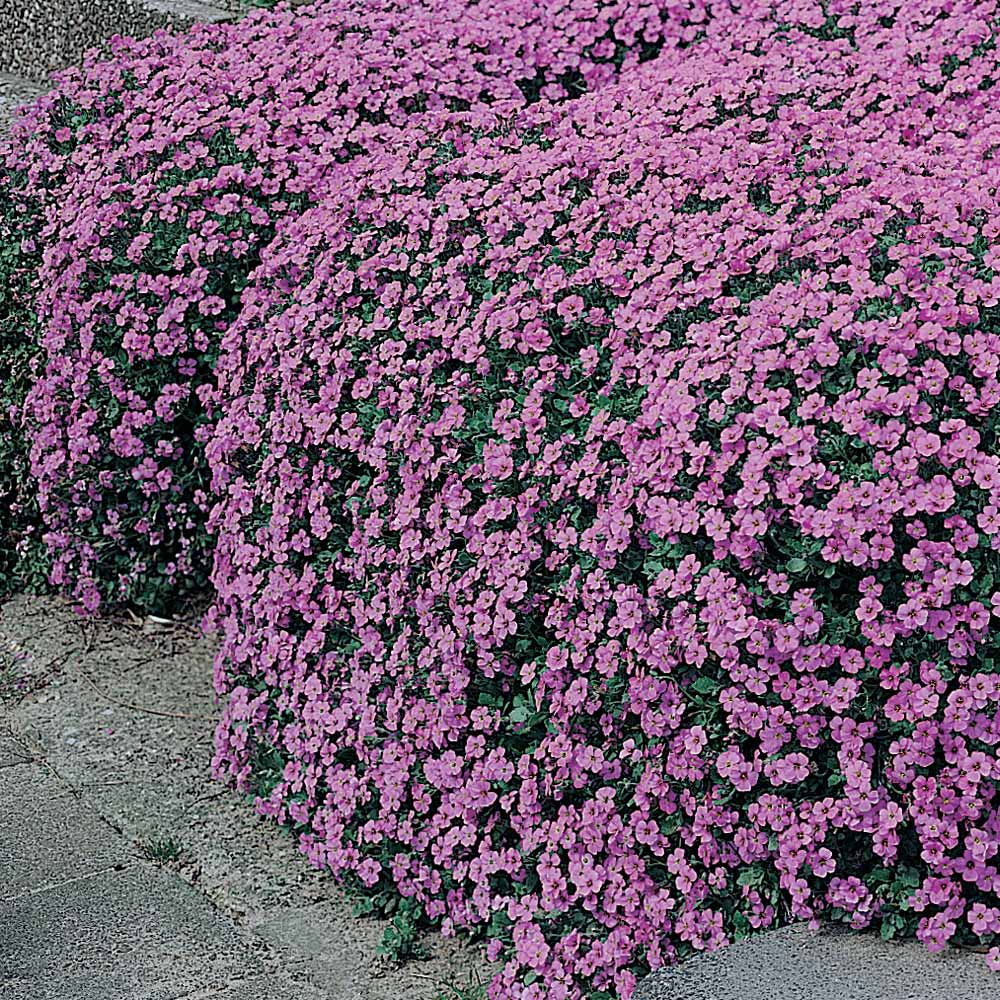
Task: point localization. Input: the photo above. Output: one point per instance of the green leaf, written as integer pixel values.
(797, 565)
(892, 924)
(742, 925)
(705, 685)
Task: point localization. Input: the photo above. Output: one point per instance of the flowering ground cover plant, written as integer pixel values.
(605, 537)
(604, 482)
(137, 199)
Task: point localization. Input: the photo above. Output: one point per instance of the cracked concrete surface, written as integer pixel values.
(84, 916)
(105, 747)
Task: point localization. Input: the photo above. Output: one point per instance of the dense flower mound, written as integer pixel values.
(596, 410)
(139, 196)
(607, 497)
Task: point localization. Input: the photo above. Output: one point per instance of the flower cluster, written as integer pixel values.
(143, 192)
(607, 498)
(603, 477)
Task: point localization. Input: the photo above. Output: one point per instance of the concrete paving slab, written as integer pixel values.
(251, 989)
(55, 839)
(84, 915)
(794, 963)
(139, 934)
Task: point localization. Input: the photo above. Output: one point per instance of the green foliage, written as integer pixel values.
(162, 850)
(472, 991)
(400, 939)
(23, 562)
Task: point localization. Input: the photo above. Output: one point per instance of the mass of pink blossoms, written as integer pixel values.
(603, 479)
(142, 191)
